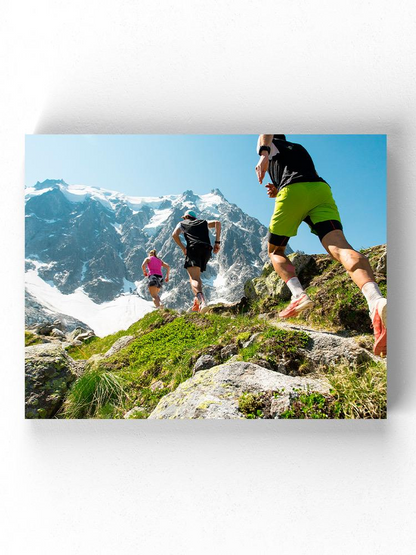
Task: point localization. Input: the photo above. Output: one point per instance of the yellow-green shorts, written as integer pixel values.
(310, 202)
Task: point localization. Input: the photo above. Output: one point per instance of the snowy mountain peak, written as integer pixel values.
(83, 239)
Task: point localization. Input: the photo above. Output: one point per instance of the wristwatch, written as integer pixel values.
(218, 242)
(264, 147)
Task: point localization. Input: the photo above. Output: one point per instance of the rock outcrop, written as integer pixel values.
(49, 373)
(215, 393)
(269, 283)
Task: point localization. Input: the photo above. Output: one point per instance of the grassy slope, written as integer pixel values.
(167, 345)
(164, 350)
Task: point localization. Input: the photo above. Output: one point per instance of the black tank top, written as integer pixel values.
(196, 233)
(291, 164)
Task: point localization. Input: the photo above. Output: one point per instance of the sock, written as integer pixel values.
(372, 293)
(295, 287)
(200, 297)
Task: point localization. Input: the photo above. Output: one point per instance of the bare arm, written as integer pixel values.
(263, 163)
(164, 265)
(144, 266)
(176, 238)
(217, 225)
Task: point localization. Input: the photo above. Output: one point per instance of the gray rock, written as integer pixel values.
(214, 393)
(119, 344)
(77, 332)
(84, 336)
(269, 283)
(203, 363)
(228, 351)
(49, 373)
(326, 349)
(251, 340)
(57, 333)
(133, 412)
(44, 328)
(278, 405)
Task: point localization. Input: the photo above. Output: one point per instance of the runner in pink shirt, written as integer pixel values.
(152, 268)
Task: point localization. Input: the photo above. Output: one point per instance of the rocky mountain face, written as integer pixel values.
(94, 239)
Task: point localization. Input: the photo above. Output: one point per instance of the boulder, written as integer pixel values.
(251, 340)
(269, 283)
(327, 349)
(228, 351)
(76, 332)
(215, 393)
(203, 363)
(119, 344)
(49, 373)
(44, 329)
(57, 333)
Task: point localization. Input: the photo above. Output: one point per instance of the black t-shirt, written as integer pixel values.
(290, 163)
(196, 233)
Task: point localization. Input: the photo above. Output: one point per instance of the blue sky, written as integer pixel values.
(353, 165)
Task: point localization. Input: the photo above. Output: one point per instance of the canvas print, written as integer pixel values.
(205, 277)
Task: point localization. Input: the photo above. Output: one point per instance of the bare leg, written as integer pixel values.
(154, 292)
(281, 264)
(356, 264)
(359, 269)
(195, 279)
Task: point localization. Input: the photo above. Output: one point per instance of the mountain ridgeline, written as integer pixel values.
(95, 239)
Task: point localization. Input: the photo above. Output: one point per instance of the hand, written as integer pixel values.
(262, 167)
(184, 251)
(271, 190)
(216, 248)
(167, 279)
(145, 274)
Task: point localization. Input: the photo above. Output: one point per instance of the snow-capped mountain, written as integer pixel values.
(91, 243)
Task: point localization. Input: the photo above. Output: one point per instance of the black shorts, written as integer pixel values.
(320, 229)
(155, 281)
(198, 256)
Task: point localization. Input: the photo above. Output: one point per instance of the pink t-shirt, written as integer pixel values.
(155, 266)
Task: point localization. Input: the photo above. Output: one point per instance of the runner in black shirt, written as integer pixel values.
(301, 195)
(197, 251)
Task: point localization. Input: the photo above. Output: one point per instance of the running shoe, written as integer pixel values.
(203, 307)
(195, 306)
(297, 305)
(379, 320)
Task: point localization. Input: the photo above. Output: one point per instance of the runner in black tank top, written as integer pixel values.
(197, 251)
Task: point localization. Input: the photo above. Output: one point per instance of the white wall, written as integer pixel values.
(317, 66)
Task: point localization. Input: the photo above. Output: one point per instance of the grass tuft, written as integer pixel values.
(361, 392)
(96, 394)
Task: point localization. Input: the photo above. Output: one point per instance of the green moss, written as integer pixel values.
(243, 337)
(251, 405)
(312, 405)
(277, 347)
(32, 339)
